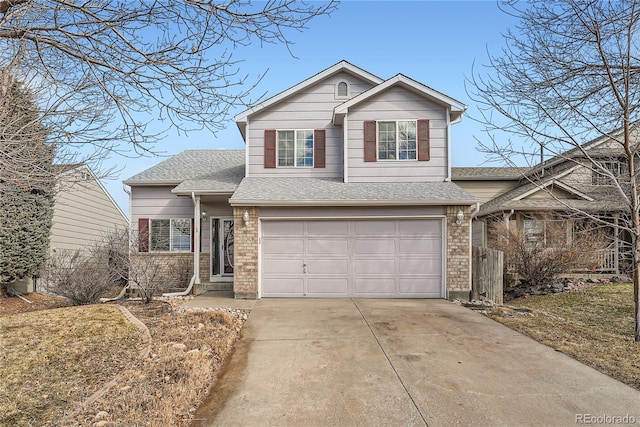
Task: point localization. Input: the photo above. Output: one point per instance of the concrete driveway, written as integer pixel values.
(340, 362)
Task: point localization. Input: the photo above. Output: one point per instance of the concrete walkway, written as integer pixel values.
(376, 362)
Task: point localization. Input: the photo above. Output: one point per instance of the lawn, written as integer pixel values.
(87, 365)
(594, 326)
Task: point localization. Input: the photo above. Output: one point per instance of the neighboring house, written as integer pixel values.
(563, 185)
(83, 212)
(343, 190)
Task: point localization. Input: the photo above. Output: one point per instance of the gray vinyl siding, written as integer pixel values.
(397, 104)
(309, 109)
(487, 190)
(160, 203)
(83, 212)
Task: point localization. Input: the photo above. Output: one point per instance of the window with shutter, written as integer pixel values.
(319, 151)
(294, 148)
(143, 234)
(396, 140)
(370, 141)
(269, 148)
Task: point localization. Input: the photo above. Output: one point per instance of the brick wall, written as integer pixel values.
(245, 276)
(458, 253)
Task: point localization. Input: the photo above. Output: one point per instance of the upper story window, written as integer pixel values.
(397, 140)
(342, 90)
(295, 148)
(612, 169)
(170, 235)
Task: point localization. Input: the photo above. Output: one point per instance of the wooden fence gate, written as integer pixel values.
(487, 274)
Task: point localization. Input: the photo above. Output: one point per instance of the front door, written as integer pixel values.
(222, 247)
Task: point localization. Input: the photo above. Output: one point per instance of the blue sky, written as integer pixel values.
(433, 42)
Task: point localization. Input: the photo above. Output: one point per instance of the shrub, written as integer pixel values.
(557, 250)
(81, 279)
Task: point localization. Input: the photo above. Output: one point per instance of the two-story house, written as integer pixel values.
(344, 190)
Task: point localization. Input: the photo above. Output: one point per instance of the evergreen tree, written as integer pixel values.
(27, 184)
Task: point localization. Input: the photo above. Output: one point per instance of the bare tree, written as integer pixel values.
(111, 71)
(570, 73)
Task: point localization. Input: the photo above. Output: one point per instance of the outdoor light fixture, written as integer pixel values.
(203, 214)
(459, 217)
(245, 218)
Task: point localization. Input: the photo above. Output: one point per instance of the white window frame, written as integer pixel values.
(172, 229)
(397, 140)
(295, 148)
(346, 85)
(598, 178)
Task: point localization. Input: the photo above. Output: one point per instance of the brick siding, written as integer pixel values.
(245, 278)
(458, 253)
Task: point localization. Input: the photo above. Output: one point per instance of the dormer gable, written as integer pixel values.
(341, 67)
(455, 108)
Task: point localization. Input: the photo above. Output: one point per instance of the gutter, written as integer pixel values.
(352, 202)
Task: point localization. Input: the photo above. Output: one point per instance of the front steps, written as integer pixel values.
(212, 286)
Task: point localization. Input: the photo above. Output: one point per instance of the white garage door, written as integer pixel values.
(352, 258)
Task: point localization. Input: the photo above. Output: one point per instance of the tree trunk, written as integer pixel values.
(636, 293)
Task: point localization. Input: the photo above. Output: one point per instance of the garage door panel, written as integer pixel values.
(421, 285)
(277, 266)
(375, 246)
(375, 286)
(283, 286)
(375, 228)
(283, 228)
(418, 266)
(327, 228)
(420, 227)
(419, 246)
(328, 286)
(328, 267)
(293, 246)
(333, 247)
(374, 266)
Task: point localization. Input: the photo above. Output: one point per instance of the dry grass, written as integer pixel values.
(52, 359)
(594, 326)
(164, 388)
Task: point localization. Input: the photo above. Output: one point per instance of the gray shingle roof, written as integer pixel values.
(309, 191)
(215, 170)
(488, 173)
(604, 200)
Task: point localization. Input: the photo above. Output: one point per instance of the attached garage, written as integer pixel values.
(364, 258)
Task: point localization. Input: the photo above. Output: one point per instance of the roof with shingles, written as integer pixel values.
(309, 191)
(488, 173)
(219, 170)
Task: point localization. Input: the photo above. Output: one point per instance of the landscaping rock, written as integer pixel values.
(102, 415)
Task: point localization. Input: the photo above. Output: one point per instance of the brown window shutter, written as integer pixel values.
(269, 148)
(319, 151)
(424, 150)
(370, 141)
(143, 234)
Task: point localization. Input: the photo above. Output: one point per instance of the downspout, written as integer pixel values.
(195, 279)
(448, 178)
(345, 148)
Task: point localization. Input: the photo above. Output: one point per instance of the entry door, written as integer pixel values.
(222, 246)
